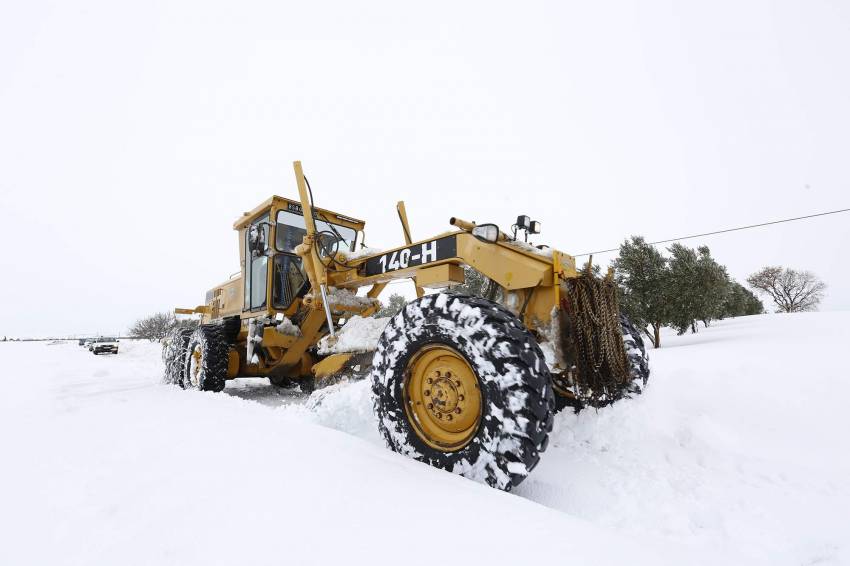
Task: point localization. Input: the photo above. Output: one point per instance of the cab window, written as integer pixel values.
(256, 266)
(290, 231)
(289, 278)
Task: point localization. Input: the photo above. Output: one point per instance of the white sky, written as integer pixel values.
(132, 135)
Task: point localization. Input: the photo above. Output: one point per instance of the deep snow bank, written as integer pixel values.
(736, 454)
(739, 443)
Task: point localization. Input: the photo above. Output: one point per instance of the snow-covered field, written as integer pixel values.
(737, 454)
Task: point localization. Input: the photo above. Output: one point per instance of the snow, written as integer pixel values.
(286, 326)
(529, 248)
(736, 454)
(362, 252)
(358, 334)
(348, 298)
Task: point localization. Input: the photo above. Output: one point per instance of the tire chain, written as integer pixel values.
(602, 368)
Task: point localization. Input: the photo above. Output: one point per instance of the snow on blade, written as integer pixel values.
(358, 334)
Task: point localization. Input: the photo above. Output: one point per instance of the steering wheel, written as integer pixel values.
(327, 244)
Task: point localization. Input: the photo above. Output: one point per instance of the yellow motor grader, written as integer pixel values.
(465, 383)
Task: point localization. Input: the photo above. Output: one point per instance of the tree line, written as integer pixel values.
(677, 291)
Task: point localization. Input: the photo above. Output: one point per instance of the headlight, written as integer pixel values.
(486, 232)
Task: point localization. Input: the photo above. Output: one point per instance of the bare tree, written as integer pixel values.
(156, 326)
(791, 290)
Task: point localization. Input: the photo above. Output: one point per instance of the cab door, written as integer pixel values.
(257, 251)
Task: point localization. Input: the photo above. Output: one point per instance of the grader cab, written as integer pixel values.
(468, 384)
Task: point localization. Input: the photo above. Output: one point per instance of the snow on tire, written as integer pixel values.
(516, 402)
(637, 356)
(205, 363)
(174, 354)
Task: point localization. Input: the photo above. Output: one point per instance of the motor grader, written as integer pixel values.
(465, 383)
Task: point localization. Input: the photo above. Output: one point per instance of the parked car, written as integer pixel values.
(104, 345)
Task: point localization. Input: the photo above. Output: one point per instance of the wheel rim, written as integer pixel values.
(442, 398)
(195, 365)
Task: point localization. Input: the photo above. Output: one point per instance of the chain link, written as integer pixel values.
(594, 337)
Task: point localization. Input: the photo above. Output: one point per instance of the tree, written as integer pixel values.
(790, 290)
(682, 302)
(641, 276)
(475, 284)
(393, 306)
(697, 288)
(156, 326)
(752, 305)
(711, 287)
(740, 301)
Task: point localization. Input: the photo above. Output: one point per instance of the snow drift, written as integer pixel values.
(736, 454)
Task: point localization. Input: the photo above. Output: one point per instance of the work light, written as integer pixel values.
(523, 221)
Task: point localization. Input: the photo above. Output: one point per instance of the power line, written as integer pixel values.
(726, 230)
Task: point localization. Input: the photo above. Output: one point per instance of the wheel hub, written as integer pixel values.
(442, 398)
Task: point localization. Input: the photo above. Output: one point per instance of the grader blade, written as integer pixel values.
(337, 368)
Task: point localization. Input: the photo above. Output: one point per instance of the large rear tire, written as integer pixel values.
(459, 383)
(637, 356)
(638, 363)
(205, 363)
(174, 354)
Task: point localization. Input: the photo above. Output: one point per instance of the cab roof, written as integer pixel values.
(281, 203)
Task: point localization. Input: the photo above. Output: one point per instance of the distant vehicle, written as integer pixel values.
(82, 342)
(104, 345)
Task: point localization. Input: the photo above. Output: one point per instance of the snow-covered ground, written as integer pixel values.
(738, 453)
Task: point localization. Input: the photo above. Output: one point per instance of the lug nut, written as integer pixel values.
(448, 374)
(460, 397)
(427, 392)
(448, 417)
(440, 415)
(429, 381)
(457, 383)
(457, 411)
(430, 406)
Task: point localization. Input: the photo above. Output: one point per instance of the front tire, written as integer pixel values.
(459, 383)
(205, 363)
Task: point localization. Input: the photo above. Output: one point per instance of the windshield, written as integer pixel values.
(291, 230)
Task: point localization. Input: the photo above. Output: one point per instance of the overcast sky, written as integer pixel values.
(132, 135)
